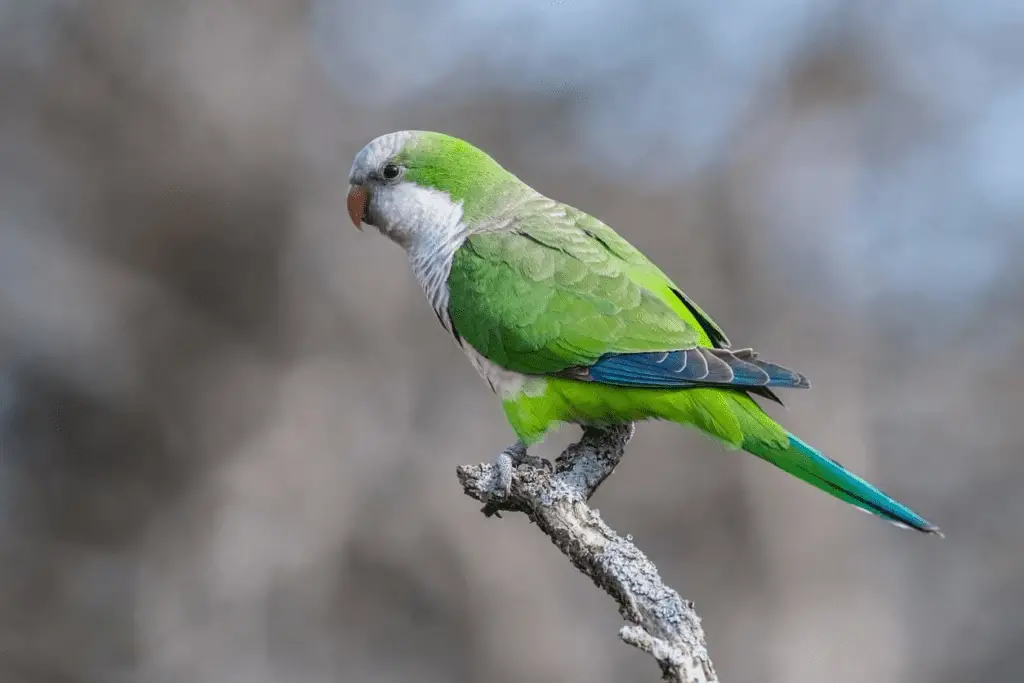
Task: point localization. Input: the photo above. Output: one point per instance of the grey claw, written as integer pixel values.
(520, 456)
(504, 467)
(537, 463)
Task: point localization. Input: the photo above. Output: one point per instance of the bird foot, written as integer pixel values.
(504, 465)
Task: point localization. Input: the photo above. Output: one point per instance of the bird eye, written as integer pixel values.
(390, 171)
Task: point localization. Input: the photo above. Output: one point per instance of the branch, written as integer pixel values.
(660, 622)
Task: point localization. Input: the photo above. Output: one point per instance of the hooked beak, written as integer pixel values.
(357, 199)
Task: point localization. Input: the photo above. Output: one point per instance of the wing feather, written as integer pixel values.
(555, 291)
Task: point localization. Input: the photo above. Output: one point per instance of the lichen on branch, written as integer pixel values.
(660, 622)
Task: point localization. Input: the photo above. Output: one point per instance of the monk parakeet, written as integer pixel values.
(567, 321)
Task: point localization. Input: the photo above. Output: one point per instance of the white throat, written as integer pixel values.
(428, 225)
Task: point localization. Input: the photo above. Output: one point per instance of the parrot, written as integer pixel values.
(568, 322)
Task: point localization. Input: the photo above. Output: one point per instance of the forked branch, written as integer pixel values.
(660, 622)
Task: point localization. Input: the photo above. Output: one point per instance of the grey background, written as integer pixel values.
(229, 422)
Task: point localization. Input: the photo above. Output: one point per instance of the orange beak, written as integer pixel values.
(357, 204)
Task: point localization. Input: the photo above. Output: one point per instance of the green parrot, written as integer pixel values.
(567, 321)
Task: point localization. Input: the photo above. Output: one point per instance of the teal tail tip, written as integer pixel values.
(925, 527)
(833, 478)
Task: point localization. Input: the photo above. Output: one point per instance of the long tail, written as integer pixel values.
(735, 419)
(802, 461)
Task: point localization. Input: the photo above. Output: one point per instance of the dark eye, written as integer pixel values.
(390, 171)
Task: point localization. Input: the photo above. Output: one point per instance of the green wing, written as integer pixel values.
(649, 276)
(555, 289)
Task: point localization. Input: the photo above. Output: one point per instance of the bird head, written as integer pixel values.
(411, 184)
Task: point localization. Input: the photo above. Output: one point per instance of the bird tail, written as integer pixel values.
(804, 462)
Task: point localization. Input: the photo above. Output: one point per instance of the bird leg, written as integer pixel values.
(504, 465)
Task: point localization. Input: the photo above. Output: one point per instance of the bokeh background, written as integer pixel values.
(229, 423)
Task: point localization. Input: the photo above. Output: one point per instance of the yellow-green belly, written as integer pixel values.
(722, 413)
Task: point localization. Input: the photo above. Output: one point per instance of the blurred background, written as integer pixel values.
(229, 422)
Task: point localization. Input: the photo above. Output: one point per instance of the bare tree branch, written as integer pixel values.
(660, 622)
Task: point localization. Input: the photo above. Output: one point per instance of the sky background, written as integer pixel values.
(229, 422)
